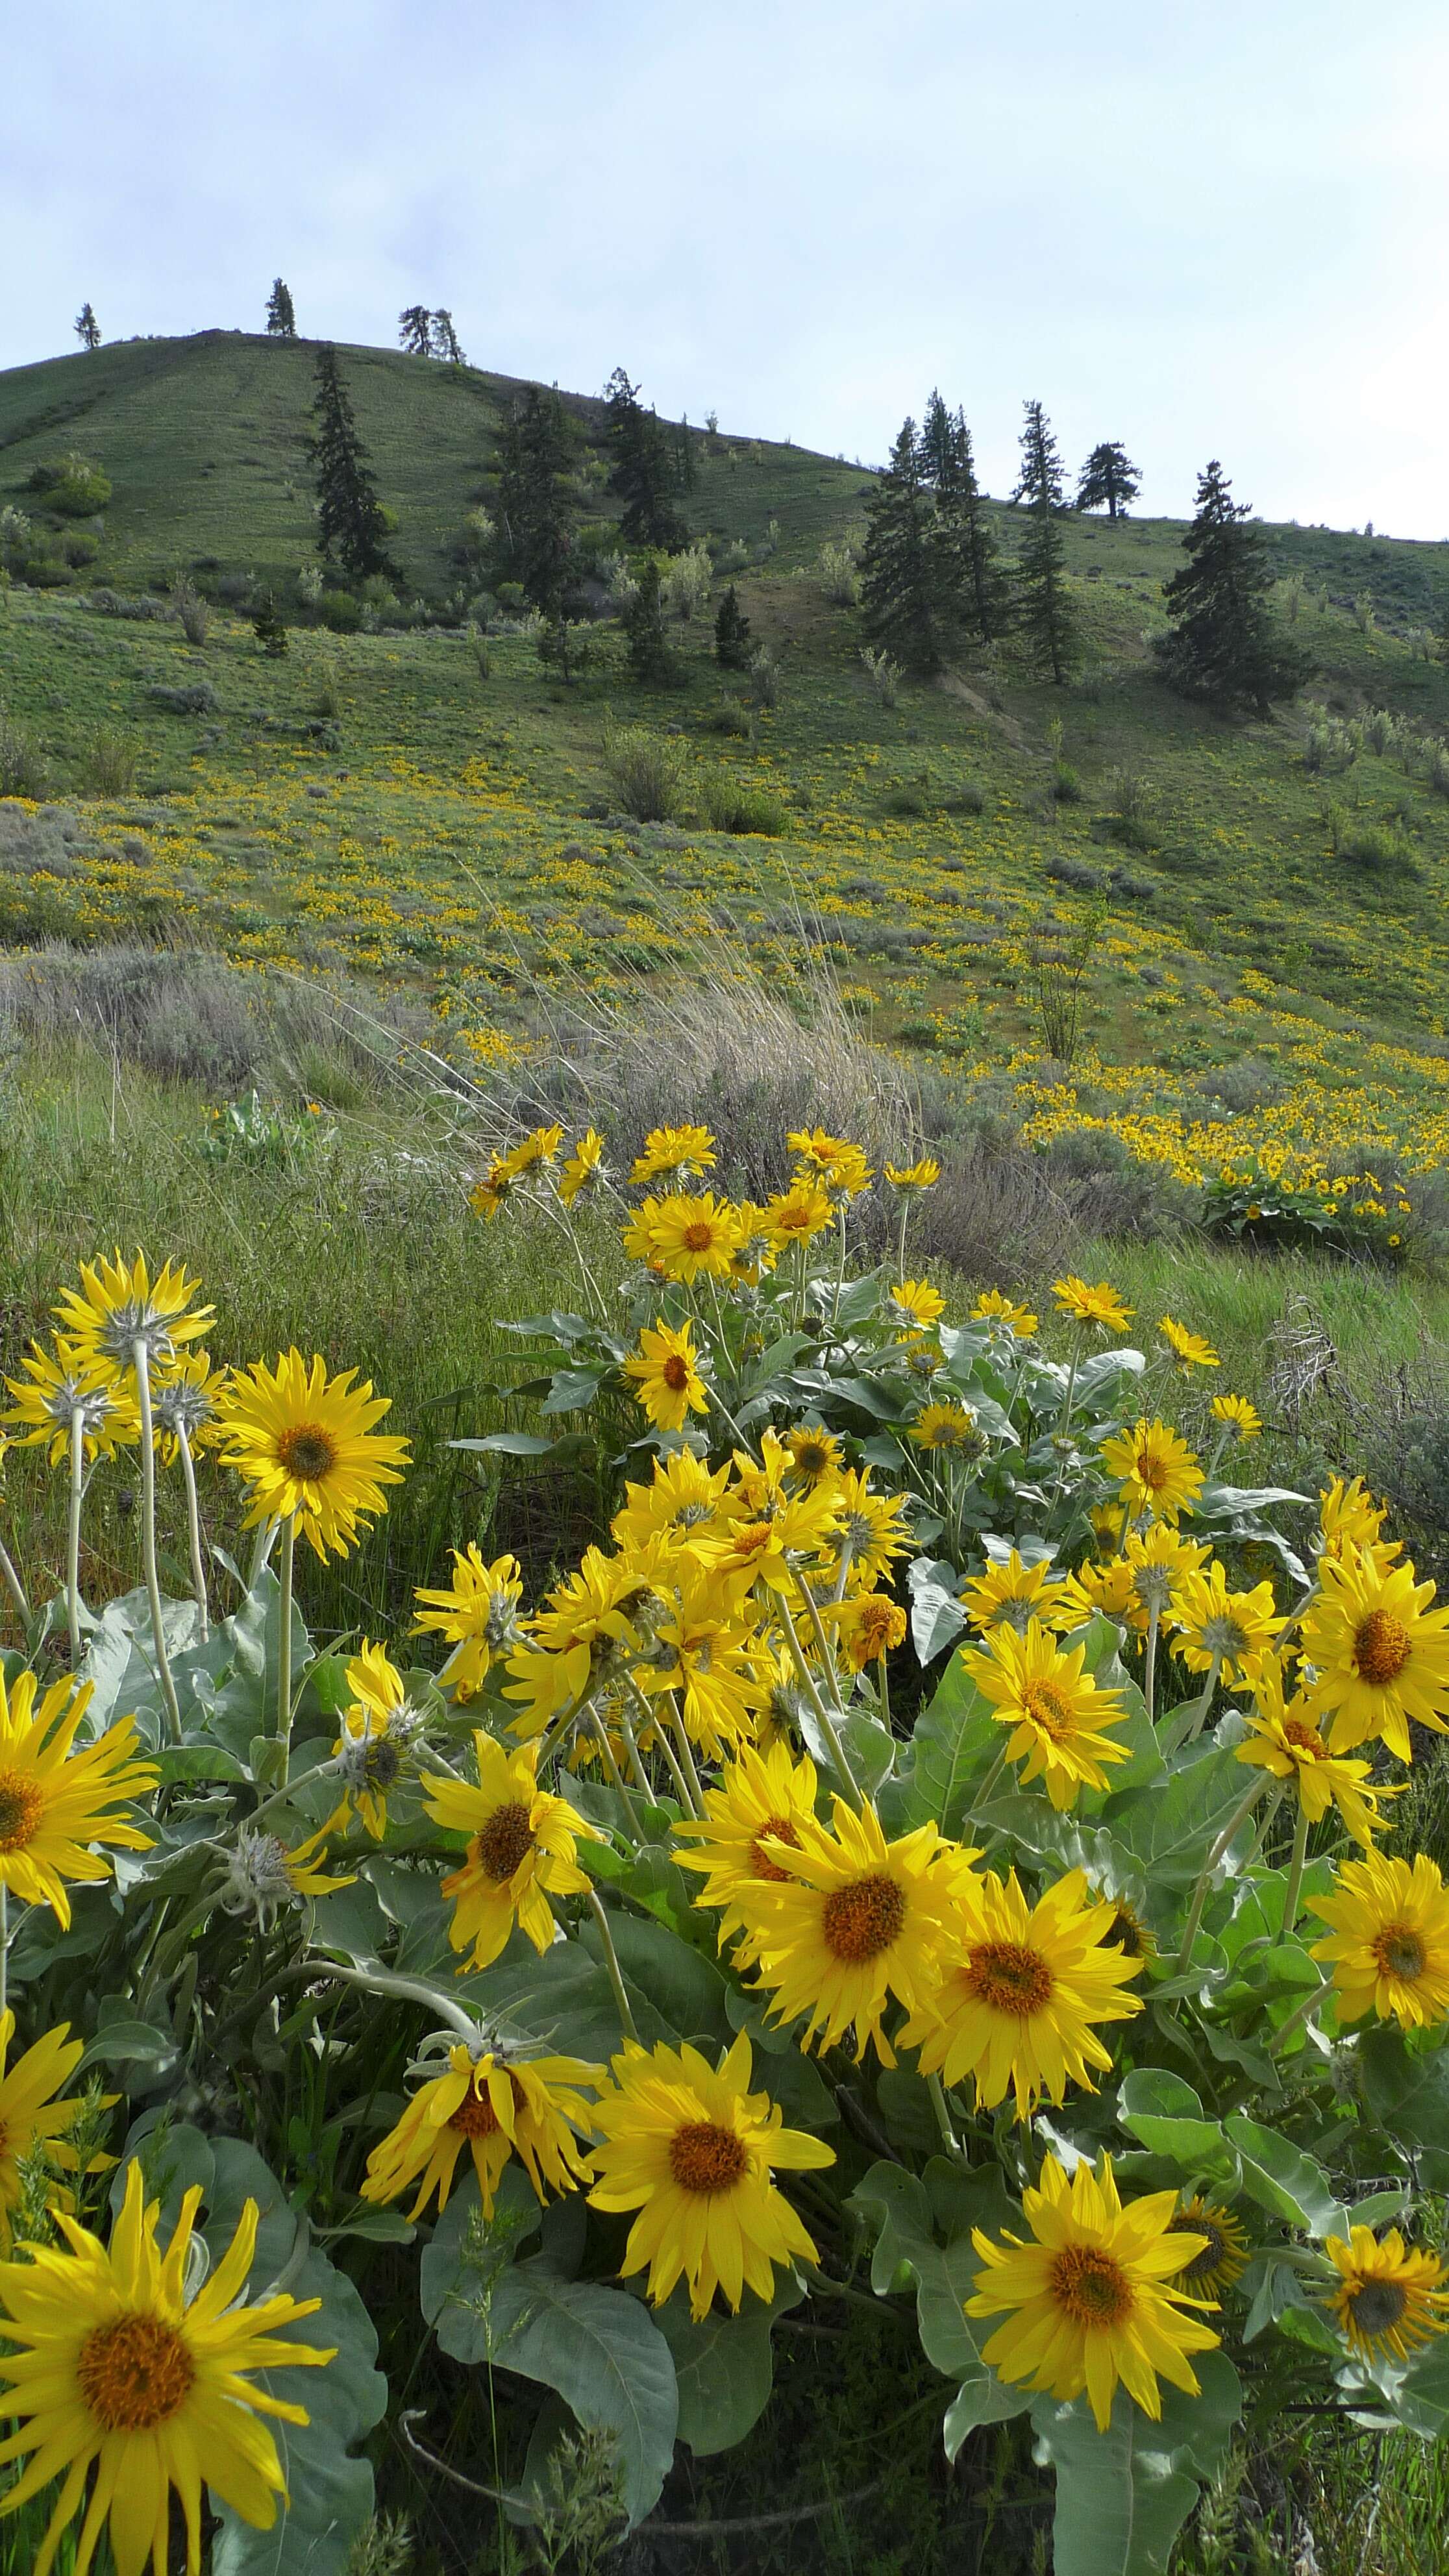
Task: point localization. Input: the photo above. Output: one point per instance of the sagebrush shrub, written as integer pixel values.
(24, 770)
(650, 771)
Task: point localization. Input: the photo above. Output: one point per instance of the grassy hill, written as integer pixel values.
(1275, 966)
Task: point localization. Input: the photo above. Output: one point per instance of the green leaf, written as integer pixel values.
(598, 2348)
(573, 1390)
(676, 1991)
(724, 2366)
(528, 1444)
(936, 1613)
(1167, 2116)
(1406, 2090)
(123, 2043)
(1123, 2495)
(898, 2206)
(1283, 2180)
(956, 1740)
(1171, 1827)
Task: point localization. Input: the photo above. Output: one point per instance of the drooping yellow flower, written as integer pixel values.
(1381, 1652)
(540, 1145)
(57, 1386)
(854, 1921)
(309, 1448)
(583, 1169)
(1108, 1591)
(1023, 1991)
(1009, 1594)
(694, 2152)
(867, 1625)
(843, 1168)
(674, 1152)
(685, 1496)
(118, 1305)
(31, 2116)
(1225, 2254)
(915, 1304)
(760, 1798)
(1094, 2300)
(488, 1195)
(521, 1846)
(57, 1803)
(952, 1428)
(702, 1655)
(1057, 1712)
(1238, 1416)
(1213, 1626)
(584, 1621)
(1156, 1472)
(1161, 1560)
(871, 1530)
(910, 1177)
(1188, 1349)
(1348, 1516)
(377, 1729)
(665, 1375)
(107, 2362)
(797, 1215)
(478, 1615)
(689, 1237)
(1389, 1950)
(1099, 1305)
(186, 1400)
(1284, 1740)
(497, 2107)
(992, 1307)
(1389, 2299)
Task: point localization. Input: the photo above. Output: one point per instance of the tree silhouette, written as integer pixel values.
(281, 320)
(1108, 480)
(351, 522)
(86, 328)
(415, 330)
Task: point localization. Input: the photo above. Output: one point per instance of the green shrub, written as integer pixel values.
(72, 485)
(1305, 1208)
(649, 771)
(1373, 846)
(341, 612)
(1066, 785)
(23, 770)
(110, 761)
(728, 805)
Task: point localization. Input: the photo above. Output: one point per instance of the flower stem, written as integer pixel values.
(381, 1981)
(14, 1587)
(942, 2109)
(611, 1962)
(72, 1551)
(1299, 2015)
(142, 1360)
(4, 1945)
(193, 1523)
(284, 1651)
(615, 1774)
(825, 1720)
(1149, 1669)
(1295, 1871)
(1223, 1844)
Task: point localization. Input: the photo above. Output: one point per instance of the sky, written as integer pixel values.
(1205, 227)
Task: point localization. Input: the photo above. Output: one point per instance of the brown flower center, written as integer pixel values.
(1399, 1952)
(1378, 2306)
(779, 1829)
(505, 1841)
(698, 1236)
(1204, 2265)
(675, 1372)
(306, 1452)
(703, 2156)
(1010, 1978)
(1048, 1706)
(475, 2116)
(1151, 1470)
(1306, 1738)
(1093, 2289)
(1380, 1647)
(863, 1919)
(22, 1804)
(1127, 1932)
(134, 2374)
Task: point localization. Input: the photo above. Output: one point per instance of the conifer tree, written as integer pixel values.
(643, 623)
(534, 499)
(732, 633)
(281, 320)
(86, 328)
(904, 604)
(1108, 480)
(415, 330)
(645, 473)
(938, 431)
(972, 575)
(270, 627)
(1043, 605)
(445, 339)
(1223, 642)
(684, 454)
(350, 520)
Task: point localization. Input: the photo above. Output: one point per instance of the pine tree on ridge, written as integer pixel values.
(281, 319)
(1044, 607)
(1109, 480)
(1223, 642)
(86, 328)
(351, 522)
(645, 473)
(415, 330)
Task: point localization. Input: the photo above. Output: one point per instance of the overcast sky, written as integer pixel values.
(1211, 229)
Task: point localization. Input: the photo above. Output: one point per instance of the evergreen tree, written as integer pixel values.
(535, 503)
(905, 607)
(86, 328)
(1223, 642)
(415, 330)
(643, 624)
(1108, 480)
(445, 338)
(270, 627)
(350, 520)
(1043, 605)
(645, 473)
(732, 633)
(684, 457)
(281, 320)
(938, 432)
(972, 577)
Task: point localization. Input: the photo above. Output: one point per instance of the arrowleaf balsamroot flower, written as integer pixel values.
(583, 1169)
(520, 1849)
(1238, 1416)
(1156, 1472)
(1226, 2252)
(949, 1428)
(1389, 2300)
(687, 1237)
(1389, 1945)
(56, 1803)
(309, 1448)
(477, 1614)
(853, 1921)
(497, 2107)
(117, 1306)
(378, 1729)
(1056, 1710)
(57, 1385)
(1215, 1626)
(1381, 1652)
(1022, 1990)
(31, 2115)
(1283, 1739)
(694, 2151)
(1010, 1594)
(992, 1307)
(664, 1372)
(107, 2363)
(1100, 1305)
(1188, 1349)
(760, 1799)
(1094, 2299)
(686, 1151)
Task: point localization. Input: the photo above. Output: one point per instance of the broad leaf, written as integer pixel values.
(897, 2204)
(724, 2366)
(1123, 2495)
(1165, 2113)
(1407, 2091)
(1282, 2179)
